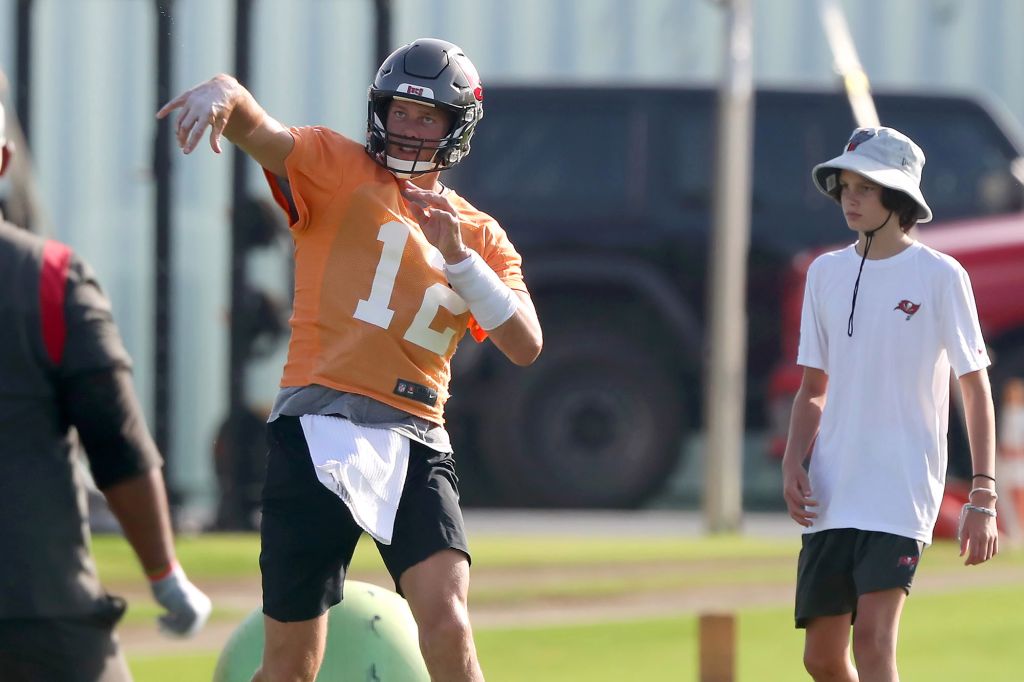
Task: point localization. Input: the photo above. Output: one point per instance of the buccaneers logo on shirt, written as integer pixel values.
(907, 307)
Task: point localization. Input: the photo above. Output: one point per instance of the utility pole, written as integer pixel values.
(382, 31)
(163, 261)
(847, 64)
(724, 392)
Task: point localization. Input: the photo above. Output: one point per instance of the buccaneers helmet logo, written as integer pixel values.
(907, 307)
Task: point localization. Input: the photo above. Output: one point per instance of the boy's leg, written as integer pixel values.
(826, 599)
(437, 590)
(827, 649)
(875, 632)
(886, 565)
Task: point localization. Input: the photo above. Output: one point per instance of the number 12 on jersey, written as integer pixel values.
(374, 308)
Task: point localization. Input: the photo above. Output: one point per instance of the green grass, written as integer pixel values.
(204, 557)
(969, 634)
(177, 668)
(237, 555)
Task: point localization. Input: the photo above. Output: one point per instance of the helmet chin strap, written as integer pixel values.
(403, 168)
(870, 235)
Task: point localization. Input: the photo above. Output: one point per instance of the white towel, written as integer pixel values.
(364, 467)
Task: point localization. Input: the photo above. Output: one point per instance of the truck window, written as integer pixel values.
(690, 159)
(967, 161)
(552, 157)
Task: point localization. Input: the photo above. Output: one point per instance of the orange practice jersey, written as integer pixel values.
(373, 312)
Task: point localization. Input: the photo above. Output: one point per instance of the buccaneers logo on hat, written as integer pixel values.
(907, 307)
(858, 138)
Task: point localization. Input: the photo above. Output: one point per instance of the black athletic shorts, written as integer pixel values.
(68, 649)
(837, 566)
(308, 534)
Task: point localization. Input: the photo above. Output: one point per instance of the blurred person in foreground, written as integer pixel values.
(883, 321)
(62, 365)
(391, 269)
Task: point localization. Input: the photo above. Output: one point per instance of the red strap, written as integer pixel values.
(53, 280)
(478, 333)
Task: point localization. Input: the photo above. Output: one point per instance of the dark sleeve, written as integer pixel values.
(92, 340)
(95, 384)
(102, 405)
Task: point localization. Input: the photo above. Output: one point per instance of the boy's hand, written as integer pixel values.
(796, 489)
(978, 536)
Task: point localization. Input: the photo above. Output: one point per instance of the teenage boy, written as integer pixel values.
(883, 321)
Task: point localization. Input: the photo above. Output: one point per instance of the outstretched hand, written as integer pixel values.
(439, 220)
(207, 105)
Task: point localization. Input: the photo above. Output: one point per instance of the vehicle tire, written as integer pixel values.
(596, 422)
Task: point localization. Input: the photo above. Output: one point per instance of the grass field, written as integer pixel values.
(956, 629)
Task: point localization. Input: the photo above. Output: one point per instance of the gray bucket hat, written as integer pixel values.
(884, 156)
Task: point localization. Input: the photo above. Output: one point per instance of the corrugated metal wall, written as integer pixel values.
(93, 103)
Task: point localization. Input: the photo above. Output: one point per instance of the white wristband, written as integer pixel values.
(490, 300)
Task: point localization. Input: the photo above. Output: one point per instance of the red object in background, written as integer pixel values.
(953, 500)
(991, 249)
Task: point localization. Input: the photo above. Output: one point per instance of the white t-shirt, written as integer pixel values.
(879, 461)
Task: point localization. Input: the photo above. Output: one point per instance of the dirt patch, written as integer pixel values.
(240, 596)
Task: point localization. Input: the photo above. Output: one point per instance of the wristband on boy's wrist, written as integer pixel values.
(983, 510)
(988, 491)
(963, 517)
(991, 478)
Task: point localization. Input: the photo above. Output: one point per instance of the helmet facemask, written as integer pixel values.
(448, 150)
(431, 72)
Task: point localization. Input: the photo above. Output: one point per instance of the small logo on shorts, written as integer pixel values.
(907, 562)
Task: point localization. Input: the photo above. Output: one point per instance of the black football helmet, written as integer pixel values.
(428, 71)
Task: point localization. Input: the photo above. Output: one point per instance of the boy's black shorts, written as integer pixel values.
(839, 565)
(308, 535)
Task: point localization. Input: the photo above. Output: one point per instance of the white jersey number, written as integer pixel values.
(374, 309)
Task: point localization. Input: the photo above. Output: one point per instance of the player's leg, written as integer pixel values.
(429, 561)
(874, 634)
(308, 537)
(827, 649)
(826, 600)
(292, 651)
(437, 590)
(886, 565)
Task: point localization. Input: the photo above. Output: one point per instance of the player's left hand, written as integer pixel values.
(187, 606)
(439, 221)
(979, 537)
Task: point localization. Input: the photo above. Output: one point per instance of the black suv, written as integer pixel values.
(607, 194)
